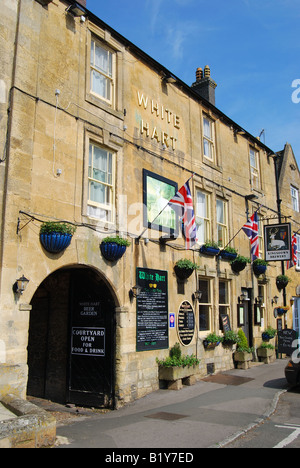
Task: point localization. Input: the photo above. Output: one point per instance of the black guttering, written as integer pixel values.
(160, 68)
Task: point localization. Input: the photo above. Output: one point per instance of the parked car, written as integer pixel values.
(292, 373)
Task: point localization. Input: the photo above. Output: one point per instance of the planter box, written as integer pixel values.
(175, 375)
(266, 355)
(243, 359)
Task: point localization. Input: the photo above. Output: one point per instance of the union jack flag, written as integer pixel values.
(291, 263)
(182, 204)
(251, 231)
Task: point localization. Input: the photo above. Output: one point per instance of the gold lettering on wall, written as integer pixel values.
(162, 113)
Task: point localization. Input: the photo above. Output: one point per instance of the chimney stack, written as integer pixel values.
(204, 85)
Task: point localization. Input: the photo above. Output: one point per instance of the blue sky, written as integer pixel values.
(251, 46)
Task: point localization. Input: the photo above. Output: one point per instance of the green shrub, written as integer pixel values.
(267, 346)
(116, 240)
(214, 338)
(243, 344)
(175, 351)
(186, 264)
(59, 228)
(177, 360)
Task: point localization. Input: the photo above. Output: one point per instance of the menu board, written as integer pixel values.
(186, 323)
(287, 341)
(152, 310)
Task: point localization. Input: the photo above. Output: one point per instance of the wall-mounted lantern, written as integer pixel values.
(20, 285)
(197, 295)
(135, 291)
(242, 298)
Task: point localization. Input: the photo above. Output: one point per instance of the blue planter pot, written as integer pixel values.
(112, 251)
(209, 251)
(228, 255)
(55, 242)
(259, 269)
(266, 338)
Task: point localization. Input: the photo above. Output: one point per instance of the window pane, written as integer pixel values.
(295, 198)
(204, 288)
(97, 192)
(92, 52)
(204, 317)
(101, 59)
(253, 158)
(207, 149)
(223, 292)
(201, 231)
(201, 205)
(220, 212)
(99, 84)
(100, 165)
(201, 217)
(96, 212)
(223, 310)
(207, 128)
(221, 237)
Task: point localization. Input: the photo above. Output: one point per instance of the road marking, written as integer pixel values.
(291, 437)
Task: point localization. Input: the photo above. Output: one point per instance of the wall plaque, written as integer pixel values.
(186, 323)
(152, 310)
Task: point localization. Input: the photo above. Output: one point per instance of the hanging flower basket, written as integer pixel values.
(212, 341)
(210, 248)
(229, 255)
(269, 334)
(282, 310)
(56, 237)
(259, 267)
(113, 248)
(184, 269)
(282, 281)
(239, 264)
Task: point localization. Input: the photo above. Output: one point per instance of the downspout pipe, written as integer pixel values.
(276, 158)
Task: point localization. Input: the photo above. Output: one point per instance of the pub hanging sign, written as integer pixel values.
(278, 242)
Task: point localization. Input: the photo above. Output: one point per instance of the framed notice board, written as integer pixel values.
(152, 331)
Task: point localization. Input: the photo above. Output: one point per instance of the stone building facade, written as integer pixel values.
(97, 134)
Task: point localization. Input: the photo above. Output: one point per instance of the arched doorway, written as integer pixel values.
(71, 347)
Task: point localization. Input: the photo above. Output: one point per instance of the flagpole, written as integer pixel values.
(232, 238)
(137, 240)
(240, 230)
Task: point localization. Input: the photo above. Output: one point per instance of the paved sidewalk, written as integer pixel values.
(202, 416)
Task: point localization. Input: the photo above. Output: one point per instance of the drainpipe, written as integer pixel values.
(279, 201)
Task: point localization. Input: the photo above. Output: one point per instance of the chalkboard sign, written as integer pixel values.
(225, 322)
(152, 310)
(186, 323)
(287, 341)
